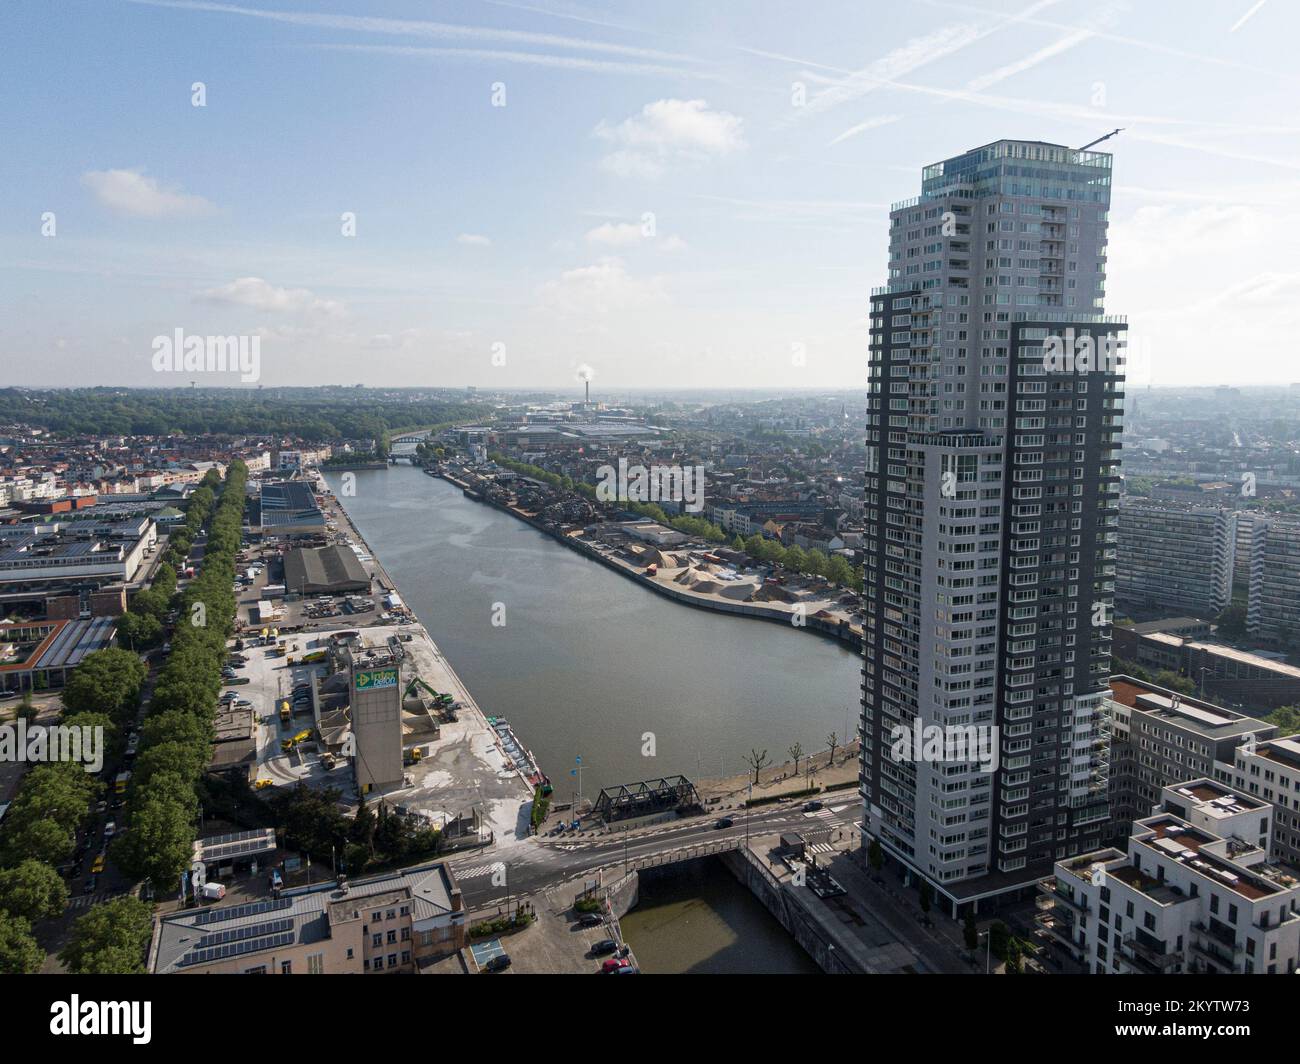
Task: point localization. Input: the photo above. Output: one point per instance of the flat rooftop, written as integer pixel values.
(1216, 799)
(1283, 751)
(1204, 717)
(1173, 838)
(1243, 657)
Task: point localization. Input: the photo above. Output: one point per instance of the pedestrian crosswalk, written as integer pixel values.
(821, 847)
(85, 901)
(478, 871)
(824, 814)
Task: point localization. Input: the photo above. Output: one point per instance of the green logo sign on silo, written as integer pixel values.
(372, 679)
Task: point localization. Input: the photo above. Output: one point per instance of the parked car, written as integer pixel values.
(110, 829)
(604, 946)
(590, 920)
(614, 964)
(276, 880)
(499, 963)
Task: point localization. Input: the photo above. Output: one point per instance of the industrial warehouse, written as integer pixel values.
(324, 571)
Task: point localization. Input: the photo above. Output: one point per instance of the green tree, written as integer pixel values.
(39, 840)
(999, 937)
(159, 844)
(106, 681)
(32, 890)
(1231, 622)
(111, 939)
(19, 952)
(1287, 719)
(1171, 681)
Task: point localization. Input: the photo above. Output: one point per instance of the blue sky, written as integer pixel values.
(673, 194)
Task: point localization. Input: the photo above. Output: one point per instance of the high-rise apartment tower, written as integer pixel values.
(992, 488)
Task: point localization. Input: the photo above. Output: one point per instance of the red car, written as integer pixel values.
(614, 964)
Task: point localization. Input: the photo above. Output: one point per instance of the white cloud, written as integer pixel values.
(672, 243)
(667, 132)
(264, 296)
(131, 193)
(474, 240)
(862, 127)
(616, 235)
(603, 288)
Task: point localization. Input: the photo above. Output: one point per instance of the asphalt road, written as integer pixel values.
(535, 864)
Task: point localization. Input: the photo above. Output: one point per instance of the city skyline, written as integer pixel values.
(701, 197)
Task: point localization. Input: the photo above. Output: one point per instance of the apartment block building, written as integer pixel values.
(1175, 557)
(1248, 558)
(990, 509)
(1160, 736)
(1194, 892)
(399, 922)
(1273, 611)
(1271, 770)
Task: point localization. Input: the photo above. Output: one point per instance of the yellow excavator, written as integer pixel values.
(288, 744)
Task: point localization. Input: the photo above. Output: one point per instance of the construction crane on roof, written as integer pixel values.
(1099, 140)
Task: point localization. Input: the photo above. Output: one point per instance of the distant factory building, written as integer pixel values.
(324, 571)
(287, 508)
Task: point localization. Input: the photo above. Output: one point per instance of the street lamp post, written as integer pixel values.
(749, 801)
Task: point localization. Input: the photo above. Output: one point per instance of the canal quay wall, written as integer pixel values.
(802, 915)
(833, 630)
(469, 764)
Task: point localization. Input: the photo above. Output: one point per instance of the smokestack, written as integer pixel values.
(587, 384)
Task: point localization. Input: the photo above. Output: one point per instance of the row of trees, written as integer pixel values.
(176, 738)
(834, 567)
(55, 800)
(53, 804)
(812, 563)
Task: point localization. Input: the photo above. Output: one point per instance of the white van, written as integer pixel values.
(213, 891)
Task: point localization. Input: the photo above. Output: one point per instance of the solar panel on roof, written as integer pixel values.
(236, 949)
(217, 916)
(239, 934)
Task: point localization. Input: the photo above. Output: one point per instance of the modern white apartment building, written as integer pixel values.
(991, 493)
(1271, 770)
(1195, 892)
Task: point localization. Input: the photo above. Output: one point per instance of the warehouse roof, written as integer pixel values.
(323, 569)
